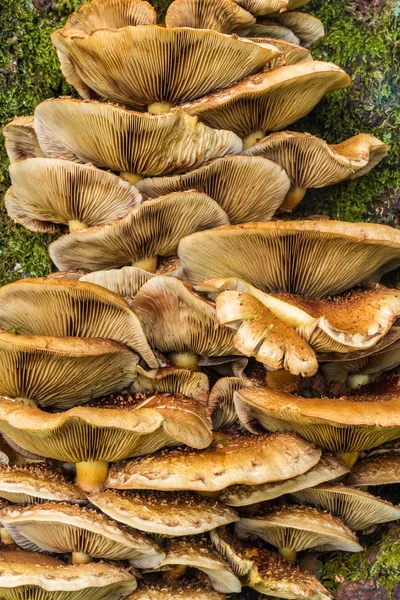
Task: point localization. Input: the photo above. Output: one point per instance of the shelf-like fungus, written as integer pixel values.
(154, 589)
(99, 14)
(173, 380)
(264, 7)
(305, 27)
(126, 281)
(291, 53)
(383, 469)
(219, 15)
(20, 139)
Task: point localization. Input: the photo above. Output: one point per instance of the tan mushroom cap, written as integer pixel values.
(327, 469)
(357, 509)
(152, 229)
(31, 573)
(387, 343)
(153, 589)
(305, 27)
(234, 458)
(383, 469)
(59, 527)
(155, 67)
(269, 101)
(220, 402)
(311, 258)
(68, 308)
(47, 193)
(111, 14)
(270, 30)
(263, 7)
(173, 380)
(248, 189)
(312, 163)
(20, 139)
(292, 53)
(126, 281)
(220, 15)
(130, 142)
(62, 372)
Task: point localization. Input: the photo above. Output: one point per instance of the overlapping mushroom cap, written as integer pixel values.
(153, 589)
(220, 400)
(375, 470)
(112, 14)
(264, 7)
(301, 27)
(20, 139)
(126, 281)
(291, 53)
(219, 15)
(173, 380)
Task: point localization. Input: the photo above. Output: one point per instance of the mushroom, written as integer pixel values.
(221, 405)
(247, 188)
(126, 281)
(312, 258)
(295, 528)
(152, 229)
(164, 514)
(24, 574)
(173, 380)
(265, 571)
(312, 163)
(59, 527)
(268, 29)
(269, 101)
(20, 139)
(232, 458)
(263, 7)
(153, 589)
(64, 308)
(291, 53)
(329, 468)
(356, 508)
(47, 193)
(113, 14)
(220, 15)
(305, 27)
(131, 142)
(62, 371)
(383, 469)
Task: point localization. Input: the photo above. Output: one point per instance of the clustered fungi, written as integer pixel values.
(201, 383)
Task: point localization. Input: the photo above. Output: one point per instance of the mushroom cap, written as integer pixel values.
(387, 343)
(108, 432)
(327, 469)
(69, 308)
(111, 14)
(220, 15)
(63, 371)
(47, 192)
(20, 139)
(130, 141)
(234, 458)
(307, 28)
(176, 319)
(220, 402)
(263, 7)
(311, 258)
(268, 30)
(375, 470)
(41, 576)
(271, 100)
(181, 590)
(248, 189)
(37, 483)
(357, 509)
(292, 53)
(153, 228)
(165, 514)
(59, 527)
(347, 424)
(139, 66)
(126, 281)
(300, 528)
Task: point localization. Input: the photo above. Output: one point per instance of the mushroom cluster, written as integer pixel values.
(205, 389)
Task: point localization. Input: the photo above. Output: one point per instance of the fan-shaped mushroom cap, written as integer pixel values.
(155, 67)
(165, 514)
(220, 15)
(220, 401)
(375, 470)
(41, 576)
(181, 590)
(47, 192)
(247, 189)
(312, 163)
(131, 142)
(111, 14)
(153, 228)
(269, 101)
(305, 27)
(234, 458)
(263, 7)
(126, 281)
(292, 53)
(268, 30)
(266, 571)
(311, 258)
(63, 372)
(59, 527)
(37, 483)
(64, 308)
(327, 469)
(173, 380)
(20, 139)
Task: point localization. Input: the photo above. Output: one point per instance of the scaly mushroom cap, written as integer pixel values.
(292, 53)
(263, 7)
(269, 101)
(154, 228)
(37, 483)
(20, 139)
(305, 27)
(154, 589)
(126, 281)
(263, 335)
(311, 258)
(312, 163)
(266, 571)
(377, 470)
(248, 189)
(130, 142)
(48, 192)
(151, 65)
(63, 372)
(344, 425)
(165, 514)
(234, 458)
(111, 14)
(220, 15)
(220, 402)
(68, 308)
(299, 528)
(59, 527)
(327, 469)
(42, 577)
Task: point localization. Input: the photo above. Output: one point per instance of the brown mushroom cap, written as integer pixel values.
(152, 229)
(307, 28)
(375, 470)
(263, 7)
(292, 53)
(234, 458)
(20, 139)
(220, 15)
(68, 308)
(112, 14)
(312, 258)
(269, 30)
(220, 402)
(126, 281)
(153, 589)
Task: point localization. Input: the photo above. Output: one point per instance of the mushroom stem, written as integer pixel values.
(131, 178)
(349, 458)
(175, 573)
(158, 108)
(5, 537)
(252, 139)
(186, 360)
(90, 476)
(148, 264)
(294, 196)
(81, 558)
(357, 380)
(288, 553)
(282, 380)
(74, 224)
